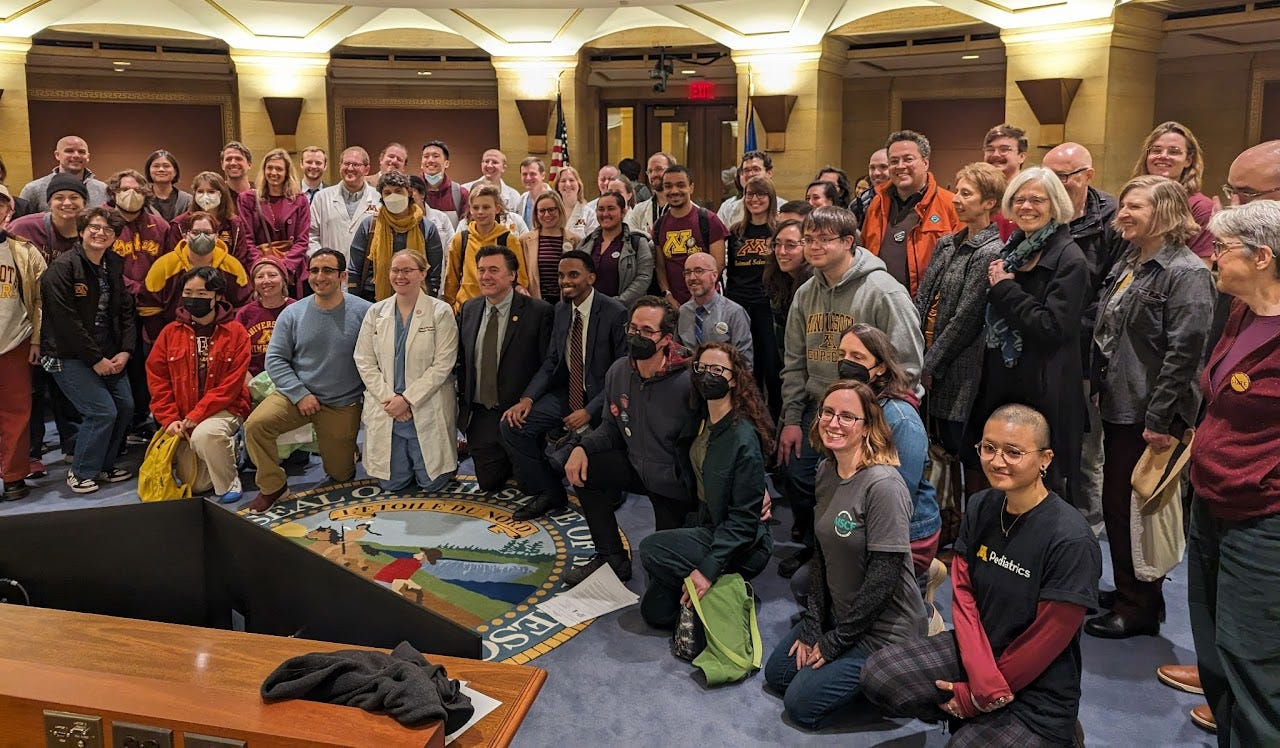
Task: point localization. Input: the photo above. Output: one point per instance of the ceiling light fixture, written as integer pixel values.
(688, 72)
(122, 63)
(424, 72)
(968, 57)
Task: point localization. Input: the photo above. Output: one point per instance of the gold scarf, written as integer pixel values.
(385, 228)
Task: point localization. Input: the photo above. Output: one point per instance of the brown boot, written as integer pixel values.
(1182, 677)
(265, 499)
(1202, 716)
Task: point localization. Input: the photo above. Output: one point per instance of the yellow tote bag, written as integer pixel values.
(156, 481)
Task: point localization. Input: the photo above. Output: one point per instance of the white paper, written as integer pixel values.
(481, 703)
(600, 593)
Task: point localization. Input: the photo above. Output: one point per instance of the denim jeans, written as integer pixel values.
(809, 695)
(802, 478)
(106, 409)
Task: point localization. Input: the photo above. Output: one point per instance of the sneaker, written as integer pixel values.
(621, 563)
(82, 485)
(36, 470)
(136, 439)
(114, 475)
(14, 490)
(233, 493)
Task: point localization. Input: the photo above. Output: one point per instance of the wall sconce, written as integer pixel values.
(536, 115)
(1050, 100)
(774, 111)
(284, 112)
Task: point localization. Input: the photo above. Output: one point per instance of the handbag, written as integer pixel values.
(728, 615)
(156, 480)
(689, 639)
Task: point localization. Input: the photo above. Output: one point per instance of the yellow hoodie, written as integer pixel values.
(461, 282)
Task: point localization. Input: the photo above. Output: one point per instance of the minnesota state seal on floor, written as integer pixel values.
(456, 551)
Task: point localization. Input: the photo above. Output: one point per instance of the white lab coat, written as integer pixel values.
(330, 226)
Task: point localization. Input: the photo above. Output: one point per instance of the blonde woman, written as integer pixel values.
(279, 216)
(544, 244)
(578, 219)
(1172, 151)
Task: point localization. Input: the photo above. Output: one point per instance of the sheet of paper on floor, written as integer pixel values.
(600, 593)
(481, 703)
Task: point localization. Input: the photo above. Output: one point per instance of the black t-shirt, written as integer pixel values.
(748, 256)
(1050, 554)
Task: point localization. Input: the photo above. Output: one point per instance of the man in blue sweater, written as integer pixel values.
(311, 363)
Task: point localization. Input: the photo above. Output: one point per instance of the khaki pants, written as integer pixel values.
(213, 442)
(336, 430)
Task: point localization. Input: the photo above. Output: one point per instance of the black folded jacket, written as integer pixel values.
(402, 684)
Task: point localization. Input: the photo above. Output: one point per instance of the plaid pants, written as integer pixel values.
(899, 679)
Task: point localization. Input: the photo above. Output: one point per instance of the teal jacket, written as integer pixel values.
(733, 482)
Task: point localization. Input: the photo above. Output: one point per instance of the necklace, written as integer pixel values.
(1005, 510)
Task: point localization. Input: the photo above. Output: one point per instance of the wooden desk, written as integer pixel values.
(78, 660)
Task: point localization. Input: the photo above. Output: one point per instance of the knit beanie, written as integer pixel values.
(63, 182)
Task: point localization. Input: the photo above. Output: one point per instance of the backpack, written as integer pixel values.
(704, 225)
(156, 480)
(501, 241)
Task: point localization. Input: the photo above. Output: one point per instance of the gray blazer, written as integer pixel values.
(1162, 322)
(635, 263)
(957, 278)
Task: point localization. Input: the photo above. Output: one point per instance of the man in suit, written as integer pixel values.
(567, 393)
(503, 338)
(336, 212)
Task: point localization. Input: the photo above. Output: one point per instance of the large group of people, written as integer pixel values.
(1034, 332)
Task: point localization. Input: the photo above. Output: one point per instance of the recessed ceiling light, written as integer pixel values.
(688, 72)
(968, 57)
(424, 72)
(122, 63)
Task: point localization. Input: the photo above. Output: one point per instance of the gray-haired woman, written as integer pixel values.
(1032, 336)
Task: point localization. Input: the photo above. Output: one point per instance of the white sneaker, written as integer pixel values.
(81, 485)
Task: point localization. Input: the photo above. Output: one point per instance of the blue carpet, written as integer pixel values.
(616, 683)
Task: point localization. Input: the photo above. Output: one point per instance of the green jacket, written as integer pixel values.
(733, 483)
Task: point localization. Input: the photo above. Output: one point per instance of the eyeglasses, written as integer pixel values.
(1244, 193)
(1035, 202)
(757, 194)
(404, 271)
(646, 331)
(1222, 248)
(1003, 150)
(789, 246)
(696, 271)
(1070, 174)
(717, 369)
(352, 164)
(1011, 455)
(548, 211)
(813, 241)
(1174, 151)
(95, 228)
(847, 420)
(323, 271)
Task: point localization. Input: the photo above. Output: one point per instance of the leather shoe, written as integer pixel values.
(1106, 599)
(538, 506)
(788, 567)
(1113, 626)
(621, 563)
(266, 499)
(1202, 716)
(1182, 677)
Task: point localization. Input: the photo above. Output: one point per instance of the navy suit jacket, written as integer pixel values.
(606, 342)
(522, 349)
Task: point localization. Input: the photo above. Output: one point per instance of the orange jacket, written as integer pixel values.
(937, 219)
(172, 371)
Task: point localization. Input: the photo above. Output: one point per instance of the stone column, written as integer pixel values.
(15, 122)
(263, 74)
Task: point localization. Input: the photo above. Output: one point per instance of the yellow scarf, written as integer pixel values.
(385, 228)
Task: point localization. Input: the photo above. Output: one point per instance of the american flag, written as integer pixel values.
(560, 148)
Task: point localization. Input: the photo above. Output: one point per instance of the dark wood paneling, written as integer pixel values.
(468, 133)
(955, 128)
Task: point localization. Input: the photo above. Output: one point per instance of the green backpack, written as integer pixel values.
(728, 615)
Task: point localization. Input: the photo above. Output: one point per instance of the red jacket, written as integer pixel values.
(937, 219)
(1234, 466)
(172, 371)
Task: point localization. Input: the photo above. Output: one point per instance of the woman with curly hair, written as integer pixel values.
(862, 589)
(733, 433)
(1172, 151)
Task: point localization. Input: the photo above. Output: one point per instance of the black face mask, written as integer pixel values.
(641, 347)
(197, 307)
(710, 386)
(846, 369)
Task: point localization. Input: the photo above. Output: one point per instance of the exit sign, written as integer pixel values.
(701, 91)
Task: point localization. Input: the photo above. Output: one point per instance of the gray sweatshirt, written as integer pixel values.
(820, 312)
(312, 351)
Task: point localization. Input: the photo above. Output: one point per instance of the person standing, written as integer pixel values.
(503, 336)
(910, 212)
(405, 353)
(683, 230)
(1172, 151)
(279, 216)
(623, 258)
(607, 174)
(21, 266)
(442, 193)
(236, 161)
(567, 393)
(709, 317)
(644, 214)
(314, 162)
(398, 225)
(393, 157)
(754, 164)
(580, 219)
(310, 362)
(337, 212)
(166, 200)
(161, 296)
(86, 340)
(72, 155)
(878, 174)
(533, 175)
(258, 317)
(214, 198)
(196, 376)
(747, 254)
(461, 281)
(1232, 549)
(543, 246)
(54, 232)
(493, 165)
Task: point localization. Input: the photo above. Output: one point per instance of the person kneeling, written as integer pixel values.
(733, 434)
(1025, 573)
(862, 589)
(196, 374)
(406, 350)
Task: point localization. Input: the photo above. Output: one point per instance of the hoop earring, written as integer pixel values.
(1044, 472)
